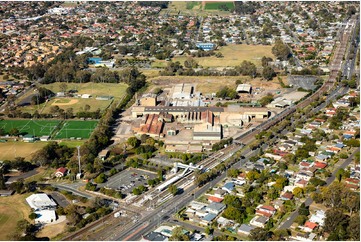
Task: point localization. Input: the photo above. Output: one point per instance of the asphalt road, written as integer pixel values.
(59, 199)
(22, 176)
(157, 216)
(74, 191)
(308, 201)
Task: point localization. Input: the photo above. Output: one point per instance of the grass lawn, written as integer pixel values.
(95, 89)
(77, 104)
(150, 73)
(193, 5)
(11, 149)
(117, 90)
(12, 209)
(28, 126)
(215, 5)
(77, 129)
(233, 55)
(72, 143)
(43, 172)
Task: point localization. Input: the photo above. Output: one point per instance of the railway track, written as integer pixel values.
(247, 136)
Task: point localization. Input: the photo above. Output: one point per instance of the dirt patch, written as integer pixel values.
(52, 230)
(71, 102)
(209, 84)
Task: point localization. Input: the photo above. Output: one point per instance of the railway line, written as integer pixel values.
(218, 157)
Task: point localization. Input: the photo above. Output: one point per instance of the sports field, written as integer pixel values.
(34, 127)
(216, 5)
(76, 129)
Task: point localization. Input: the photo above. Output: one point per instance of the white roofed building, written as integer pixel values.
(40, 201)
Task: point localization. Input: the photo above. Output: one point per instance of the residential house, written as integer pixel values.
(304, 236)
(301, 183)
(259, 221)
(60, 172)
(245, 229)
(207, 220)
(352, 183)
(278, 203)
(318, 218)
(286, 196)
(321, 158)
(229, 187)
(304, 175)
(309, 226)
(265, 210)
(320, 165)
(215, 208)
(215, 199)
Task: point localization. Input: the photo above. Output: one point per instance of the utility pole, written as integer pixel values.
(79, 174)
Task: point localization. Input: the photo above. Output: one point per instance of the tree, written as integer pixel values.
(303, 210)
(179, 235)
(298, 192)
(173, 189)
(133, 141)
(233, 214)
(232, 172)
(334, 217)
(353, 228)
(281, 50)
(101, 178)
(33, 216)
(301, 219)
(86, 107)
(208, 230)
(259, 234)
(14, 132)
(268, 73)
(266, 99)
(63, 87)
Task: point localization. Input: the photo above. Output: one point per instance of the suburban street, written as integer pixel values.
(290, 220)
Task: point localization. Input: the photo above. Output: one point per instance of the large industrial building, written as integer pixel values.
(182, 91)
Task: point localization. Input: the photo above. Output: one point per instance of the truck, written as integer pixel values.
(117, 214)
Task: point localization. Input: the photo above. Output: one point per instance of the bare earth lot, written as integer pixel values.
(211, 84)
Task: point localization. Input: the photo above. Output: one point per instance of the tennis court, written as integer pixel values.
(28, 126)
(76, 129)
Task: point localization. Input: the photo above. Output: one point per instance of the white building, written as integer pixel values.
(45, 216)
(40, 201)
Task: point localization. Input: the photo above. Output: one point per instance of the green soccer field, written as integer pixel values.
(215, 5)
(34, 127)
(76, 129)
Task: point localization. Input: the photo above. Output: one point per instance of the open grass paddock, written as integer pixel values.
(95, 89)
(11, 149)
(12, 209)
(233, 56)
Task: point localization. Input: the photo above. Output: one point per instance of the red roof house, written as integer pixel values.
(60, 172)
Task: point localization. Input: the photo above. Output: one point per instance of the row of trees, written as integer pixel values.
(246, 68)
